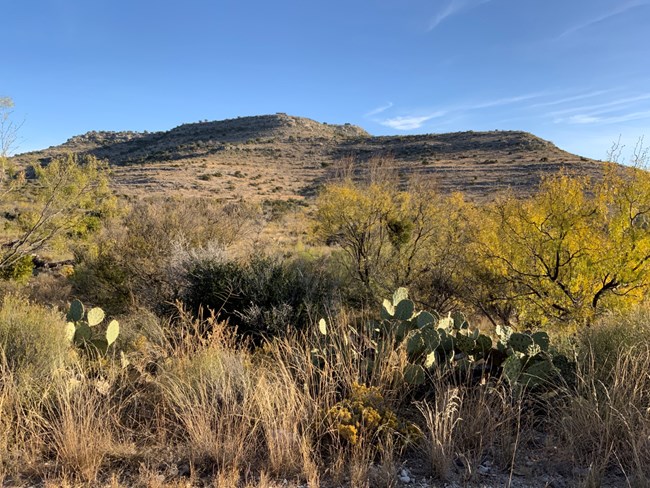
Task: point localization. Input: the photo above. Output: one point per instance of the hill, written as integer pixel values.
(282, 156)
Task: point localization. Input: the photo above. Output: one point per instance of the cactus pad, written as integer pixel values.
(112, 331)
(95, 316)
(520, 342)
(404, 310)
(322, 327)
(414, 374)
(542, 340)
(76, 312)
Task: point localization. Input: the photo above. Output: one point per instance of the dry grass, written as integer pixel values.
(230, 415)
(606, 421)
(78, 424)
(441, 420)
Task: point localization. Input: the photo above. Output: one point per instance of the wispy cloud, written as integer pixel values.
(454, 7)
(505, 101)
(601, 108)
(573, 98)
(415, 120)
(378, 110)
(615, 119)
(410, 122)
(607, 15)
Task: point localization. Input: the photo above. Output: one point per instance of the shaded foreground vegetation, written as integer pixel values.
(245, 360)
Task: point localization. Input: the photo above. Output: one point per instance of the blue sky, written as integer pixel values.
(575, 72)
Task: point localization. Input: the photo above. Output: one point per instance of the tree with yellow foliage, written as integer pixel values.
(394, 238)
(575, 248)
(64, 199)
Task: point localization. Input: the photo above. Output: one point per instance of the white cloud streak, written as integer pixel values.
(505, 101)
(378, 110)
(607, 106)
(574, 98)
(454, 7)
(601, 18)
(410, 122)
(617, 119)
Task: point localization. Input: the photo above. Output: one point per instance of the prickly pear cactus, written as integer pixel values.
(82, 327)
(520, 342)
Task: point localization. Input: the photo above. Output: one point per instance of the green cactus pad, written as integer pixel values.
(542, 340)
(82, 333)
(101, 345)
(537, 373)
(414, 374)
(431, 337)
(459, 321)
(512, 368)
(95, 316)
(425, 318)
(112, 331)
(447, 341)
(322, 327)
(403, 328)
(404, 310)
(483, 344)
(465, 343)
(520, 342)
(415, 345)
(76, 312)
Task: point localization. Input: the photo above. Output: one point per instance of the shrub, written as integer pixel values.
(19, 271)
(142, 260)
(365, 414)
(265, 295)
(32, 339)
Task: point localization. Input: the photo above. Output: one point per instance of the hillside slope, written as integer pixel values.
(282, 156)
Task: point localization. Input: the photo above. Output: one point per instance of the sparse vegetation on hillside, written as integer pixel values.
(295, 155)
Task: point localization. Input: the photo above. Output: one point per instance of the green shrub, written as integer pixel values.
(32, 339)
(265, 295)
(142, 260)
(20, 271)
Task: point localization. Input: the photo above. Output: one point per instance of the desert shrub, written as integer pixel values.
(264, 295)
(19, 271)
(274, 210)
(142, 260)
(366, 414)
(32, 339)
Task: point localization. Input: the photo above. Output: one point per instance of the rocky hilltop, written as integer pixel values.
(282, 156)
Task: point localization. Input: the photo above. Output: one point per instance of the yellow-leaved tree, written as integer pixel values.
(575, 248)
(64, 199)
(395, 238)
